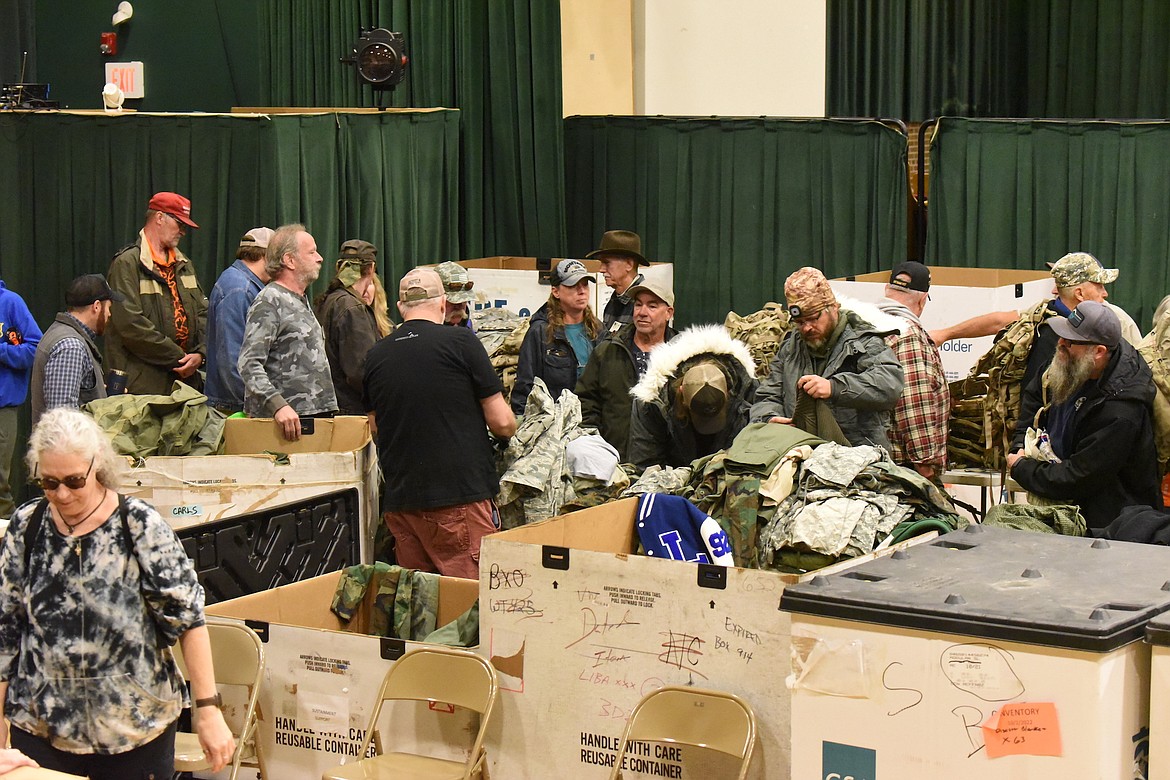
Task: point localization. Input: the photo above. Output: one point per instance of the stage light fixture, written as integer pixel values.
(379, 58)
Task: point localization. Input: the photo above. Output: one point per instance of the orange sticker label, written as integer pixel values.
(1023, 729)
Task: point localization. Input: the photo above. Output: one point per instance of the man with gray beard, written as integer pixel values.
(1095, 401)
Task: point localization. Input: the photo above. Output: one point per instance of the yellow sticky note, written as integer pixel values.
(1023, 729)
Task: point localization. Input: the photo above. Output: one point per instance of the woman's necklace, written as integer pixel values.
(73, 526)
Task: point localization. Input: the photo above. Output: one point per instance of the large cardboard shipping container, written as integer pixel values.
(520, 285)
(579, 628)
(320, 680)
(990, 654)
(958, 294)
(260, 470)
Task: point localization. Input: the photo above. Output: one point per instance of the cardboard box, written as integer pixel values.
(579, 628)
(320, 681)
(516, 283)
(958, 294)
(189, 491)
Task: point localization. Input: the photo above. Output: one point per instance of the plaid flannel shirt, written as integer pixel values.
(919, 431)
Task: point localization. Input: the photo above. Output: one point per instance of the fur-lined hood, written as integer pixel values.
(878, 321)
(666, 358)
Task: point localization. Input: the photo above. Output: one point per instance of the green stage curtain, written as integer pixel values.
(1018, 194)
(498, 62)
(917, 59)
(80, 184)
(738, 204)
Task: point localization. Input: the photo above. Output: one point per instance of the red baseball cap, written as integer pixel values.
(174, 204)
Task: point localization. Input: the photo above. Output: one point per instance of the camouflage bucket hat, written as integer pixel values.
(1080, 267)
(456, 282)
(807, 292)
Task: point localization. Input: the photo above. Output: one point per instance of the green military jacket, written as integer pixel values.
(140, 338)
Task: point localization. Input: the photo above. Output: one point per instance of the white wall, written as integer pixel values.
(729, 57)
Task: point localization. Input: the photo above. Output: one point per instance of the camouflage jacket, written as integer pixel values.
(282, 360)
(86, 630)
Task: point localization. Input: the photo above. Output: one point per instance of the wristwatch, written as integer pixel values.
(210, 701)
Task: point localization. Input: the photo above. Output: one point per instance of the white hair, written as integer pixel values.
(67, 430)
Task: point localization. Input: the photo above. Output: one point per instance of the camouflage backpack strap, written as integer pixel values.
(1155, 350)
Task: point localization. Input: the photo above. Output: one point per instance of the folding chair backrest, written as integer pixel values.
(236, 653)
(693, 716)
(442, 674)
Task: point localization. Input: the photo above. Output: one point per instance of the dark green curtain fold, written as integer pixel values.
(389, 178)
(738, 204)
(1018, 194)
(917, 59)
(498, 62)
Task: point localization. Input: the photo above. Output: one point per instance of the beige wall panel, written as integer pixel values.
(597, 57)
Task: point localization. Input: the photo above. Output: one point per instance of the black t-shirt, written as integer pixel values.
(424, 383)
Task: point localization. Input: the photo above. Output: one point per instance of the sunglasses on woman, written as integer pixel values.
(74, 482)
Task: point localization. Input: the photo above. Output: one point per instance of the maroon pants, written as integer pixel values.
(444, 539)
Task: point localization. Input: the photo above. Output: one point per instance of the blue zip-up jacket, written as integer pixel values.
(16, 359)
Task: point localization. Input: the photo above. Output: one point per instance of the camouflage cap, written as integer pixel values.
(420, 284)
(1079, 267)
(456, 282)
(807, 292)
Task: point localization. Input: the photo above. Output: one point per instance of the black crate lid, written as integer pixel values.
(1000, 583)
(1158, 630)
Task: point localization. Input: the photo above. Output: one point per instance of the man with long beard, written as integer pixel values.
(1095, 401)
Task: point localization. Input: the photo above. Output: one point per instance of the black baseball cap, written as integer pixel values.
(911, 275)
(85, 290)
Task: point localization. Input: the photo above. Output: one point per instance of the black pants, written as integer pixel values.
(153, 761)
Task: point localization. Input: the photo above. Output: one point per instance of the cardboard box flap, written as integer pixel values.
(307, 603)
(953, 276)
(244, 436)
(608, 528)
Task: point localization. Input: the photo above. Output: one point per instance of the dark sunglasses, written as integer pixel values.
(179, 222)
(75, 482)
(459, 286)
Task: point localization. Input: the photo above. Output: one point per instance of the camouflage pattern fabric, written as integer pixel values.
(1155, 349)
(1080, 267)
(501, 332)
(536, 482)
(282, 358)
(1061, 519)
(761, 331)
(807, 292)
(463, 631)
(383, 600)
(997, 376)
(145, 425)
(847, 500)
(660, 479)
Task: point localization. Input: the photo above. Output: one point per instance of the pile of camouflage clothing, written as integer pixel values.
(536, 482)
(791, 502)
(501, 332)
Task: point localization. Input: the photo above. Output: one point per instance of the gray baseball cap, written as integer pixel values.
(1089, 323)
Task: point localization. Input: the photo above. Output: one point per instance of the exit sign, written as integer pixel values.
(128, 76)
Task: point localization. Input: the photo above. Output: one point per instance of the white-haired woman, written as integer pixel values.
(94, 590)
